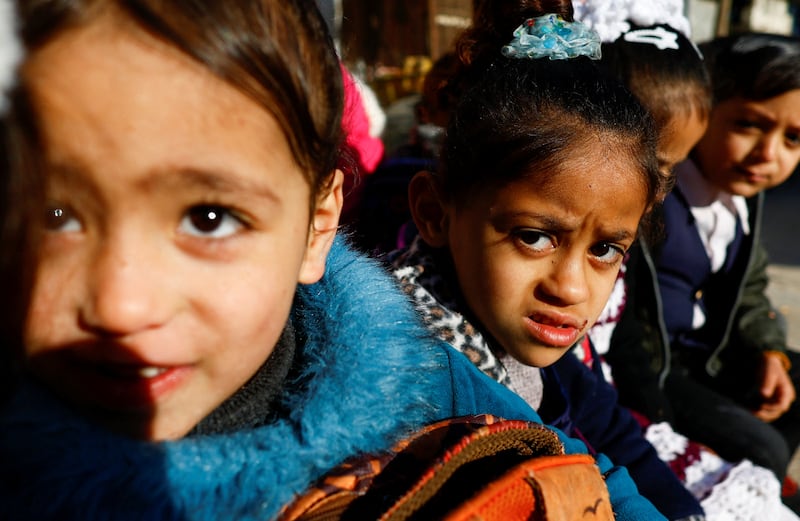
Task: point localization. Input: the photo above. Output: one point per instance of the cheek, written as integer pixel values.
(788, 166)
(247, 341)
(47, 320)
(602, 286)
(484, 286)
(44, 329)
(734, 148)
(472, 280)
(60, 283)
(715, 146)
(498, 277)
(248, 303)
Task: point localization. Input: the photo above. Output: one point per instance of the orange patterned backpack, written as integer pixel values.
(476, 468)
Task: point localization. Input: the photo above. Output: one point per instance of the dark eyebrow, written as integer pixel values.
(559, 226)
(217, 181)
(174, 180)
(620, 235)
(546, 220)
(759, 114)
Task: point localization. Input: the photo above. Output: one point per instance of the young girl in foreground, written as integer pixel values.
(546, 170)
(199, 345)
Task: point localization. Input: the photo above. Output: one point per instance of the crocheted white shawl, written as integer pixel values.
(611, 18)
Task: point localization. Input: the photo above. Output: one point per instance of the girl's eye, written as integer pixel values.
(60, 218)
(793, 139)
(535, 239)
(607, 253)
(210, 221)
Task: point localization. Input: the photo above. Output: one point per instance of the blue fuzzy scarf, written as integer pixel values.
(365, 385)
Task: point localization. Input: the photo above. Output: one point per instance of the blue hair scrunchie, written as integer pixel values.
(550, 36)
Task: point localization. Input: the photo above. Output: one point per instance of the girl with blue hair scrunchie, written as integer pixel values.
(547, 168)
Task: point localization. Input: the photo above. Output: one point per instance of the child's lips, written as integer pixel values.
(132, 371)
(555, 329)
(753, 177)
(127, 386)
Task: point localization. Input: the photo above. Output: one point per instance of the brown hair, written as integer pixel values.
(666, 80)
(755, 66)
(21, 200)
(269, 49)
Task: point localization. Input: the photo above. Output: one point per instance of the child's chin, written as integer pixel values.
(146, 425)
(544, 356)
(143, 428)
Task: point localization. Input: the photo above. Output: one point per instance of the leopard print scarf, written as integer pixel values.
(418, 273)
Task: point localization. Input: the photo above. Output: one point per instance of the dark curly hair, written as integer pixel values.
(522, 117)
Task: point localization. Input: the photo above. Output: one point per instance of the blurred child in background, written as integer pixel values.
(728, 377)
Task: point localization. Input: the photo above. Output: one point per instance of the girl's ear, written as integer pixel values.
(428, 209)
(324, 222)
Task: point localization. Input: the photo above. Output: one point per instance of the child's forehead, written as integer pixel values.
(133, 104)
(586, 162)
(107, 40)
(781, 106)
(569, 198)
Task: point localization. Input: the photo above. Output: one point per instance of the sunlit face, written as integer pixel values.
(537, 259)
(178, 228)
(677, 138)
(751, 146)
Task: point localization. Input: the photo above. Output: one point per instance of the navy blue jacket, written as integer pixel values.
(742, 319)
(579, 401)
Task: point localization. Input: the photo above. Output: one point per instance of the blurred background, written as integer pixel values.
(390, 44)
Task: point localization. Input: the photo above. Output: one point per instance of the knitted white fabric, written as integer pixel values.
(610, 18)
(603, 328)
(525, 380)
(10, 50)
(749, 493)
(727, 491)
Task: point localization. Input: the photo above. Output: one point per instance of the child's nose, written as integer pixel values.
(123, 297)
(767, 147)
(567, 283)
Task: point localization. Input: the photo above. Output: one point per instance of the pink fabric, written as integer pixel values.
(355, 123)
